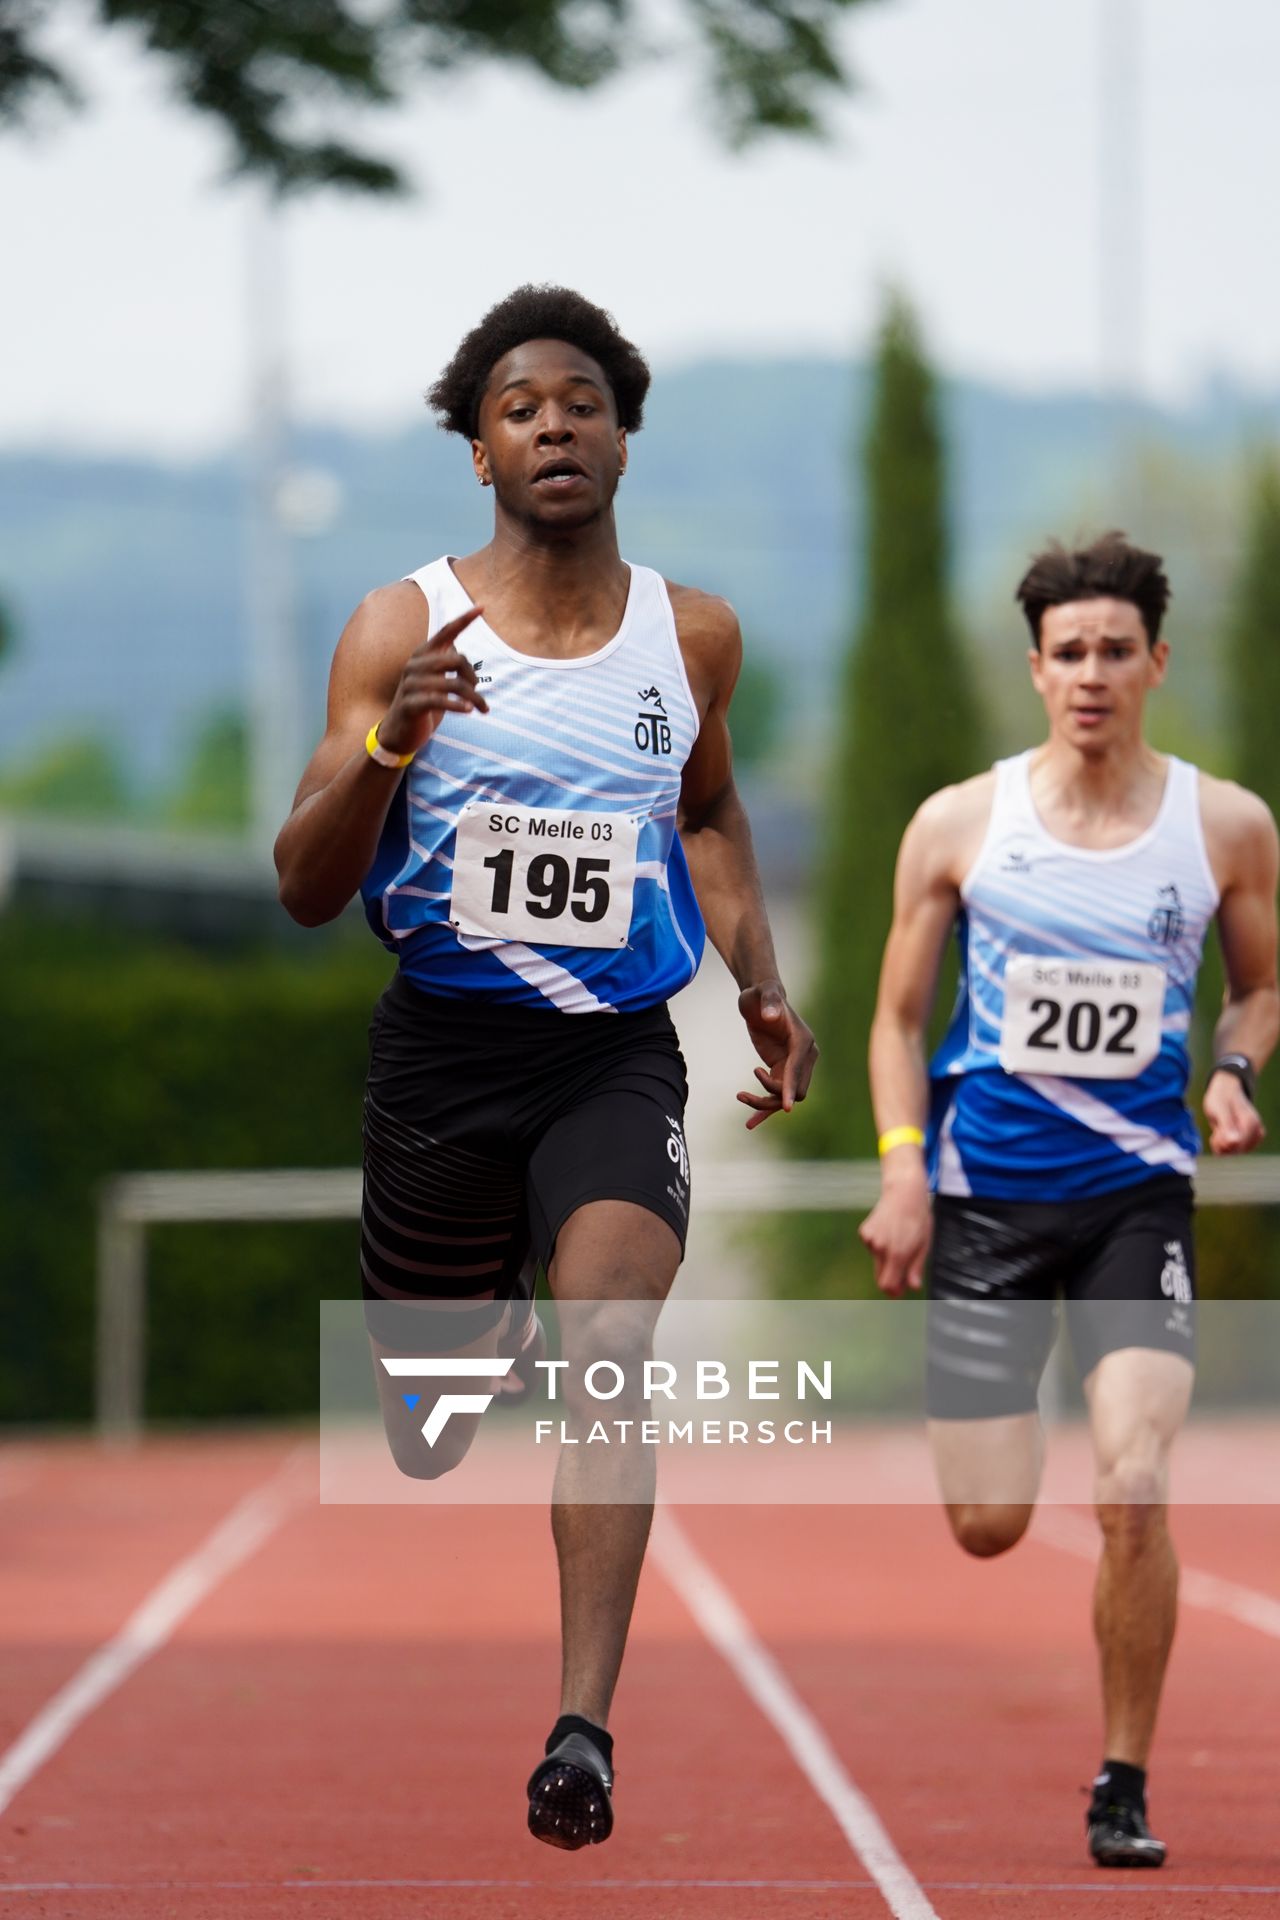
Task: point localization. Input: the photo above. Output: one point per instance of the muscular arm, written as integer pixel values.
(924, 909)
(385, 674)
(936, 850)
(713, 823)
(1243, 848)
(722, 865)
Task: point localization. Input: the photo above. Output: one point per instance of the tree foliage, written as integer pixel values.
(80, 778)
(134, 1052)
(271, 75)
(1253, 639)
(214, 789)
(757, 707)
(1238, 1248)
(1253, 678)
(909, 724)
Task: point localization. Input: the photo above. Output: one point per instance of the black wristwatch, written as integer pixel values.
(1242, 1067)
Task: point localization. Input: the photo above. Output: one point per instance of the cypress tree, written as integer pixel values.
(1238, 1248)
(1253, 639)
(908, 724)
(1253, 671)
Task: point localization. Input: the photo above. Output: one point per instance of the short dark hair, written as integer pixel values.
(1108, 569)
(539, 313)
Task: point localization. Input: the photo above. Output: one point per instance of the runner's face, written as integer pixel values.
(1093, 669)
(549, 435)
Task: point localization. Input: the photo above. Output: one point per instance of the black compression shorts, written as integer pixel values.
(486, 1126)
(1124, 1264)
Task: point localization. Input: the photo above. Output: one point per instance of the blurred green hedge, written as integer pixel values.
(120, 1053)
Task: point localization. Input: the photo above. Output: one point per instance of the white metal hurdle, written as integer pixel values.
(132, 1202)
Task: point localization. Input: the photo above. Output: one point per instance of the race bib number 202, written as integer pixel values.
(552, 876)
(1085, 1019)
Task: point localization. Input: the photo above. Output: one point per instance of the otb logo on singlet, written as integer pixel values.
(1167, 918)
(653, 727)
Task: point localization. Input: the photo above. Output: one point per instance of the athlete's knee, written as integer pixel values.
(1129, 1499)
(421, 1459)
(1134, 1474)
(986, 1530)
(607, 1344)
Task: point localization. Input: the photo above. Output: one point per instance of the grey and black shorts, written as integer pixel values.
(1123, 1266)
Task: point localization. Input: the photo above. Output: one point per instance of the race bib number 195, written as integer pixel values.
(1086, 1019)
(551, 876)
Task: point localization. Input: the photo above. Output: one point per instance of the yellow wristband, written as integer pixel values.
(383, 755)
(900, 1137)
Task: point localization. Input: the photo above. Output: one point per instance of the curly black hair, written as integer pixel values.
(539, 313)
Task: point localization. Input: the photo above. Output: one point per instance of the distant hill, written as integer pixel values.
(125, 577)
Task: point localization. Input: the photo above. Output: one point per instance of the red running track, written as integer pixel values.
(341, 1717)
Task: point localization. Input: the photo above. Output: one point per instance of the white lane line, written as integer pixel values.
(1070, 1532)
(733, 1637)
(1108, 1889)
(232, 1542)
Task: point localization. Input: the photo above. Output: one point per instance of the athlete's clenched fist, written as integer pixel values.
(1235, 1125)
(436, 680)
(898, 1232)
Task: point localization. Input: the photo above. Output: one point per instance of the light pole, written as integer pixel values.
(276, 746)
(1120, 211)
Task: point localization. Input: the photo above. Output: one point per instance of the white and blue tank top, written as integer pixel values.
(1064, 1069)
(530, 855)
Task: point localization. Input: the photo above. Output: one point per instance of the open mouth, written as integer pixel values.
(559, 476)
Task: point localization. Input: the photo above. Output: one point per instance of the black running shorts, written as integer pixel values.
(1123, 1264)
(486, 1126)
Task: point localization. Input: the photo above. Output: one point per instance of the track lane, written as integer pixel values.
(85, 1533)
(962, 1694)
(360, 1703)
(384, 1731)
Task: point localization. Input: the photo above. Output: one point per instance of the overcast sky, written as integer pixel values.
(969, 167)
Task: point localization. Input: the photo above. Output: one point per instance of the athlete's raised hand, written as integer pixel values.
(436, 680)
(1235, 1125)
(786, 1046)
(898, 1231)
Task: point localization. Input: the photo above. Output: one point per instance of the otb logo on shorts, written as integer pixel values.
(653, 727)
(677, 1152)
(1175, 1279)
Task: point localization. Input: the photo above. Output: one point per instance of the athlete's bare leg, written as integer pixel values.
(1138, 1399)
(613, 1267)
(988, 1474)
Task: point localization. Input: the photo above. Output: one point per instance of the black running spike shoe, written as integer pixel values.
(571, 1796)
(1120, 1837)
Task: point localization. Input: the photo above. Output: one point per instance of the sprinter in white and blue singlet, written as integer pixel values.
(1081, 879)
(527, 775)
